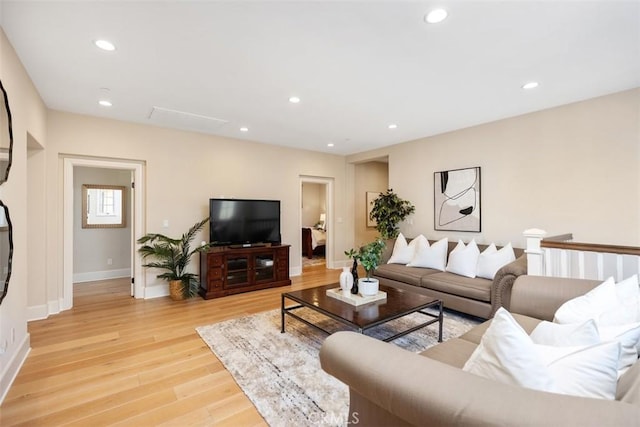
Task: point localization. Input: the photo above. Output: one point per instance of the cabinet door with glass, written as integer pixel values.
(264, 267)
(237, 270)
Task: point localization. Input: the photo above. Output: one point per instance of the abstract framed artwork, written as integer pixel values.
(456, 196)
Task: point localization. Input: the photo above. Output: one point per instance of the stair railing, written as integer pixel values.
(560, 256)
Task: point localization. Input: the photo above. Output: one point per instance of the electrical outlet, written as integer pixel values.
(109, 261)
(165, 223)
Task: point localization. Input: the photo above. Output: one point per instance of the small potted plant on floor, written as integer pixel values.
(388, 211)
(369, 256)
(173, 256)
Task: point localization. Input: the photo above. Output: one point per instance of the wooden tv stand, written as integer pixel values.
(227, 271)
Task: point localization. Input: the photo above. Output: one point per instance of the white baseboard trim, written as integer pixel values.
(156, 291)
(338, 265)
(295, 271)
(92, 276)
(55, 306)
(37, 312)
(13, 367)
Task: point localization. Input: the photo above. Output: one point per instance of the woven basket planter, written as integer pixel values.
(175, 290)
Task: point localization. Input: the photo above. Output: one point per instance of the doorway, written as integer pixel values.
(316, 220)
(135, 199)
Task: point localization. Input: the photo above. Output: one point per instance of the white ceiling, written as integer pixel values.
(357, 65)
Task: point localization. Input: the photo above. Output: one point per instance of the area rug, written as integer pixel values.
(281, 374)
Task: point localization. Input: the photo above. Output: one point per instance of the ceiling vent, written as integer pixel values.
(183, 120)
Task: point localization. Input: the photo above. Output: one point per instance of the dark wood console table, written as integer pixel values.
(227, 271)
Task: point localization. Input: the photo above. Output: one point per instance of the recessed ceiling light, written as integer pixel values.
(530, 85)
(294, 100)
(244, 129)
(435, 16)
(393, 126)
(330, 144)
(105, 103)
(105, 45)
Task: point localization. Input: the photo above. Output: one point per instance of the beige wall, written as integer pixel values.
(92, 247)
(183, 170)
(573, 168)
(36, 232)
(313, 203)
(28, 114)
(369, 176)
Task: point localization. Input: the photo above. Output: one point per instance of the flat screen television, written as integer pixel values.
(243, 222)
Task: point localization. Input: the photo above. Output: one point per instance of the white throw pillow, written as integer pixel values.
(589, 333)
(628, 309)
(506, 354)
(608, 303)
(402, 252)
(628, 288)
(463, 260)
(628, 336)
(574, 334)
(583, 371)
(491, 260)
(434, 256)
(400, 248)
(623, 313)
(590, 305)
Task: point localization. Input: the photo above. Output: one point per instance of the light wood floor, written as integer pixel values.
(115, 360)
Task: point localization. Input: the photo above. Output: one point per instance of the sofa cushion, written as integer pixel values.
(454, 352)
(589, 371)
(403, 252)
(475, 335)
(477, 288)
(463, 260)
(401, 273)
(588, 333)
(507, 354)
(555, 334)
(431, 256)
(628, 337)
(491, 260)
(608, 304)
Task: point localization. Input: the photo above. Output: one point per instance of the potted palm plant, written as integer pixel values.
(173, 256)
(369, 256)
(388, 211)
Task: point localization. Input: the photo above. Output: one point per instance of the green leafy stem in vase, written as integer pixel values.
(368, 255)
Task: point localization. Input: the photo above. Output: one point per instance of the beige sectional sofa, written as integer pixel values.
(392, 386)
(476, 296)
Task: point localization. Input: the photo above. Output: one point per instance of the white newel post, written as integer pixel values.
(535, 255)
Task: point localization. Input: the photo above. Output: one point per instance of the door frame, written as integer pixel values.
(138, 215)
(328, 182)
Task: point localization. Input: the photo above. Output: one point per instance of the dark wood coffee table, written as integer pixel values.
(399, 303)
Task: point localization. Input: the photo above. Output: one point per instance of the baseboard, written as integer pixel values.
(92, 276)
(338, 265)
(295, 271)
(13, 367)
(37, 312)
(54, 306)
(156, 291)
